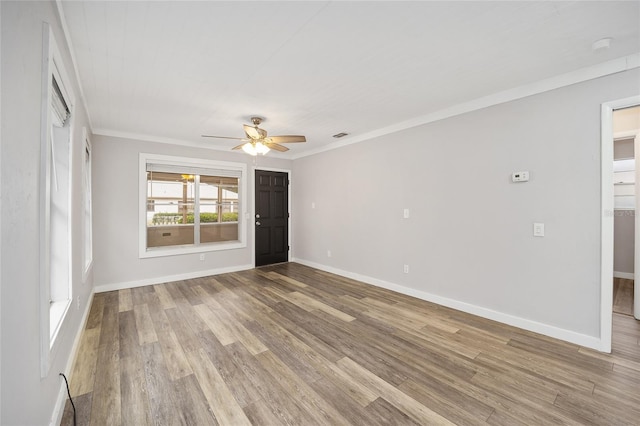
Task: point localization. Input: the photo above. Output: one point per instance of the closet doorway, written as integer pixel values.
(626, 132)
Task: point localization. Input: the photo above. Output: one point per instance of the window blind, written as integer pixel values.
(192, 170)
(59, 106)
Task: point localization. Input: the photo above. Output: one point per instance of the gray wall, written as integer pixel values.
(623, 149)
(115, 185)
(624, 220)
(26, 398)
(623, 239)
(469, 235)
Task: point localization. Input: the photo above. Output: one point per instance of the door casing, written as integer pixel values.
(251, 223)
(606, 219)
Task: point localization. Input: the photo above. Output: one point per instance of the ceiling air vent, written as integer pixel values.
(340, 135)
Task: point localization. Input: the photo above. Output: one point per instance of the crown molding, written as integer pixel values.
(578, 76)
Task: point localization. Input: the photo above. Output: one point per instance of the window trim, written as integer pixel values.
(52, 67)
(146, 158)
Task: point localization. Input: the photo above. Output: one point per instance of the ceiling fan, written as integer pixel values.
(257, 141)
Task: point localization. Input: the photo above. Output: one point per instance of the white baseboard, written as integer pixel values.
(627, 275)
(525, 324)
(58, 410)
(169, 278)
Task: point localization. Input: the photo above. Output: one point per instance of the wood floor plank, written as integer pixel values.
(276, 276)
(192, 406)
(125, 300)
(308, 304)
(144, 324)
(225, 408)
(623, 293)
(416, 411)
(603, 412)
(83, 411)
(166, 301)
(384, 413)
(288, 344)
(84, 369)
(289, 348)
(223, 330)
(181, 329)
(133, 391)
(281, 404)
(94, 319)
(239, 385)
(440, 398)
(106, 400)
(259, 413)
(316, 407)
(342, 399)
(161, 403)
(174, 357)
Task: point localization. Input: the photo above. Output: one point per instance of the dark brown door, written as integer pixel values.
(272, 217)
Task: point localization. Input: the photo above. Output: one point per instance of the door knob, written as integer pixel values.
(257, 216)
(257, 223)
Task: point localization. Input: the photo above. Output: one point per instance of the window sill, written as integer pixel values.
(57, 312)
(202, 248)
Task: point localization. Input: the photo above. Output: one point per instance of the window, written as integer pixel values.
(55, 198)
(190, 205)
(88, 216)
(59, 187)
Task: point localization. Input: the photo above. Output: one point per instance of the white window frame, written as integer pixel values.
(52, 315)
(146, 158)
(87, 204)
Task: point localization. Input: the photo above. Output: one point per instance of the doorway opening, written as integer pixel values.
(612, 197)
(271, 221)
(626, 129)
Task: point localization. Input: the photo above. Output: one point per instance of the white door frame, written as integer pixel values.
(636, 254)
(607, 214)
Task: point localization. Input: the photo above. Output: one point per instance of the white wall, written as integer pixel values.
(469, 238)
(26, 398)
(624, 226)
(115, 209)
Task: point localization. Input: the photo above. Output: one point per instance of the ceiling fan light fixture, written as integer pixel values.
(255, 148)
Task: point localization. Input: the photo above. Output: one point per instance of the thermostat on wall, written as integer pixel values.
(520, 176)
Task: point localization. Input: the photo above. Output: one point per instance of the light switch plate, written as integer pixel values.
(538, 229)
(520, 176)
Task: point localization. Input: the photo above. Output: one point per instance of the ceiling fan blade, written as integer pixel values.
(222, 137)
(239, 146)
(286, 139)
(276, 147)
(254, 132)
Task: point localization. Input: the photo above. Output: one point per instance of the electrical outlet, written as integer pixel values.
(201, 256)
(520, 176)
(538, 229)
(406, 269)
(328, 253)
(405, 214)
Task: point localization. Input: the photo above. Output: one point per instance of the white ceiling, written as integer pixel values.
(175, 70)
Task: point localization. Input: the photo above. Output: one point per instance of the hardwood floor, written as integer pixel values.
(289, 344)
(623, 296)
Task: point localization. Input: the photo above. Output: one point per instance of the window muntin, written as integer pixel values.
(190, 205)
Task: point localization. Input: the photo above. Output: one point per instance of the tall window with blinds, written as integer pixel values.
(191, 206)
(59, 207)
